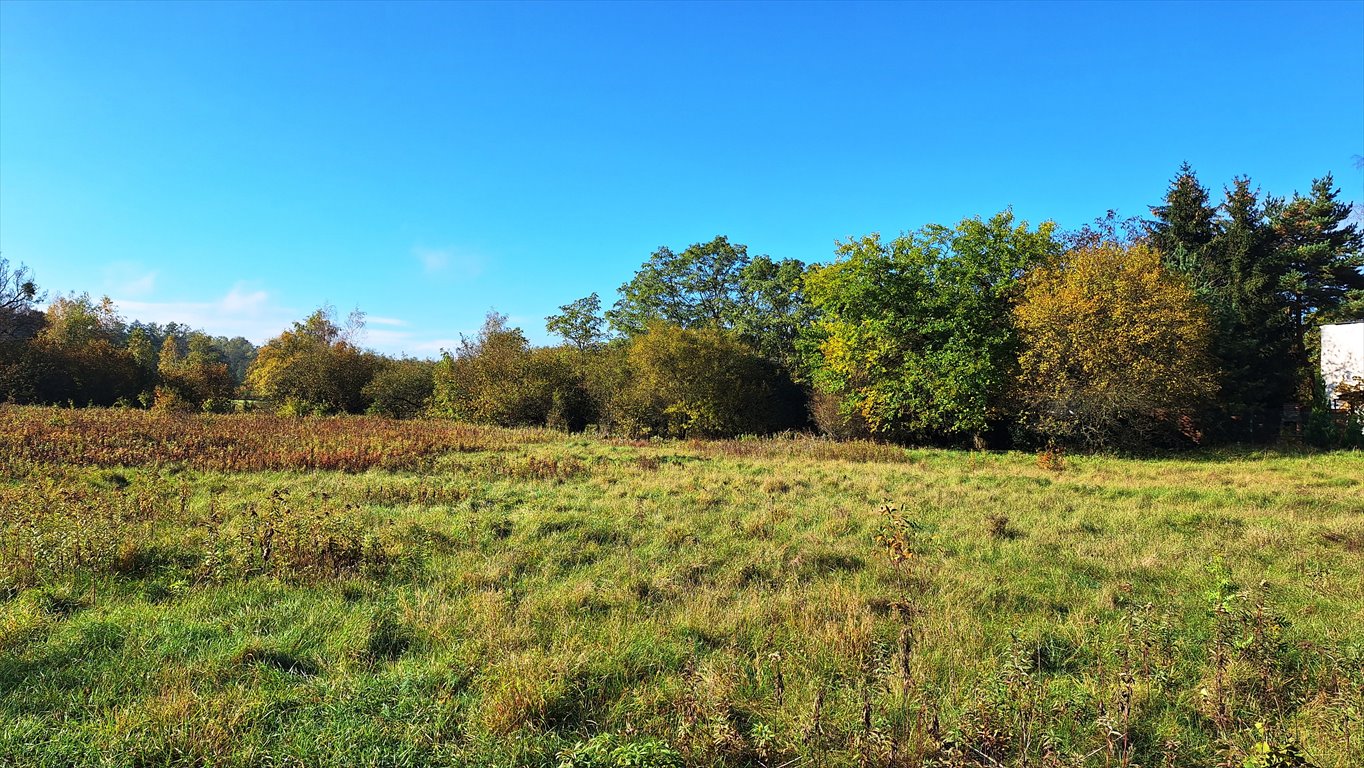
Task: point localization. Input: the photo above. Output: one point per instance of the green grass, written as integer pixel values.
(571, 601)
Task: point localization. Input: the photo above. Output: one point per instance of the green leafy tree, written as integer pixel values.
(717, 285)
(579, 323)
(77, 319)
(315, 366)
(238, 353)
(604, 375)
(913, 337)
(197, 379)
(695, 288)
(169, 394)
(773, 310)
(702, 382)
(572, 404)
(496, 378)
(401, 389)
(139, 345)
(79, 356)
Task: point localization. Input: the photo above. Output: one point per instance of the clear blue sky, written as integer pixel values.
(235, 165)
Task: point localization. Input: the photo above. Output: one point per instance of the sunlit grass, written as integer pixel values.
(729, 603)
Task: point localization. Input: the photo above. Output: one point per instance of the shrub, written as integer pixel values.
(497, 378)
(401, 389)
(703, 383)
(317, 364)
(826, 411)
(1115, 349)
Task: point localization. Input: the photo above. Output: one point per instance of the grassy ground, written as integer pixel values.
(245, 590)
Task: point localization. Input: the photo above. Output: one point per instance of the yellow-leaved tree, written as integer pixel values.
(1115, 349)
(315, 367)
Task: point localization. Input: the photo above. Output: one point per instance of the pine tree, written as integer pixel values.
(1269, 271)
(1184, 227)
(1253, 340)
(1322, 255)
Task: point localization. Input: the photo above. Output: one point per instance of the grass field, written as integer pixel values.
(247, 590)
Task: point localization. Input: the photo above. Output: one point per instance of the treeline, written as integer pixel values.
(1194, 326)
(81, 352)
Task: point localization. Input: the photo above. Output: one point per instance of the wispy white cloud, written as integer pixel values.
(394, 342)
(239, 300)
(432, 259)
(242, 311)
(254, 313)
(449, 261)
(125, 278)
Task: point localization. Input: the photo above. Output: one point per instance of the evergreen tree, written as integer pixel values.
(1184, 227)
(1253, 339)
(1322, 256)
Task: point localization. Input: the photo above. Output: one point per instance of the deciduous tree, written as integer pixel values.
(198, 379)
(579, 323)
(773, 310)
(695, 288)
(1115, 348)
(79, 356)
(496, 378)
(19, 296)
(20, 321)
(914, 337)
(315, 365)
(401, 389)
(702, 382)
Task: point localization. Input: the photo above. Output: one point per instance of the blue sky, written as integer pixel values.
(233, 166)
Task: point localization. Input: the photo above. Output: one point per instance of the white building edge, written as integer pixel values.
(1342, 357)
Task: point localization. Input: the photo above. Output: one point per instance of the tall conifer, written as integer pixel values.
(1322, 255)
(1184, 227)
(1253, 340)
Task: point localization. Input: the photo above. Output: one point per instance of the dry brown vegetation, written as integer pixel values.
(238, 443)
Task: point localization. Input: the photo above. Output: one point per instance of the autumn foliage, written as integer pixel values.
(1115, 347)
(249, 442)
(1197, 326)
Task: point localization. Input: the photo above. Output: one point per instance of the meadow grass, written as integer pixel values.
(252, 591)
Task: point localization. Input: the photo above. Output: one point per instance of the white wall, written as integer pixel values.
(1342, 356)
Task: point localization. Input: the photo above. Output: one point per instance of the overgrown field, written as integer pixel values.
(248, 590)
